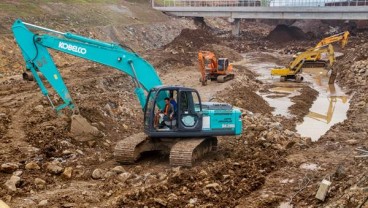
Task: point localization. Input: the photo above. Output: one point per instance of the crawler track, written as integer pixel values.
(127, 151)
(225, 78)
(185, 152)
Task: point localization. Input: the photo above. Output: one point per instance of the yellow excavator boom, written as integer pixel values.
(294, 67)
(341, 37)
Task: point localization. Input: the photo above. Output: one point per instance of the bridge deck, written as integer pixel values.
(267, 9)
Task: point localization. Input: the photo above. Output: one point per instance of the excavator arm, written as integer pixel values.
(296, 65)
(202, 57)
(315, 53)
(34, 48)
(341, 37)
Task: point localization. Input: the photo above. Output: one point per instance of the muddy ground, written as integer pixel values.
(43, 165)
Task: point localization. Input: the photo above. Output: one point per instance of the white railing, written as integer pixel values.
(258, 3)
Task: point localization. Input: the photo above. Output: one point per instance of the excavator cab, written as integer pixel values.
(187, 116)
(223, 64)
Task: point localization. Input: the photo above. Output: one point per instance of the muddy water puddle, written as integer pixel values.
(329, 108)
(280, 99)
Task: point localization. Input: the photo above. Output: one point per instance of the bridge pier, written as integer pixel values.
(236, 27)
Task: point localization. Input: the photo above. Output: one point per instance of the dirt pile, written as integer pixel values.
(223, 52)
(238, 168)
(191, 40)
(245, 98)
(183, 50)
(353, 68)
(284, 33)
(303, 102)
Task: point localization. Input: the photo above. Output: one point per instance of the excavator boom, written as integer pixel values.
(296, 65)
(341, 37)
(37, 58)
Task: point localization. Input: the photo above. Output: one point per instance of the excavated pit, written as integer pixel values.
(314, 106)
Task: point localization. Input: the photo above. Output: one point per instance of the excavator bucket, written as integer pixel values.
(82, 130)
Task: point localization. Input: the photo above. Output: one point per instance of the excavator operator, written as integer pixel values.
(167, 113)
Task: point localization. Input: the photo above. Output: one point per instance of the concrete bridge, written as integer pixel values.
(266, 9)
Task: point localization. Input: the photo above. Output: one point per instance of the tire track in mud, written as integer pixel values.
(14, 141)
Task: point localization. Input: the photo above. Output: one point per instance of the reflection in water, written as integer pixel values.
(329, 108)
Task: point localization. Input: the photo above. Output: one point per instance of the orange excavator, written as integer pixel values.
(212, 68)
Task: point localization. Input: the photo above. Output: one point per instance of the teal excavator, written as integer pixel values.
(189, 132)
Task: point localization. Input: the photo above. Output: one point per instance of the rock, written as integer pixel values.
(67, 152)
(68, 172)
(92, 143)
(203, 173)
(172, 197)
(12, 183)
(307, 140)
(54, 169)
(97, 174)
(215, 186)
(352, 141)
(323, 189)
(3, 205)
(270, 135)
(290, 144)
(278, 146)
(69, 205)
(160, 201)
(162, 176)
(288, 132)
(226, 176)
(276, 125)
(108, 109)
(125, 127)
(102, 124)
(43, 203)
(118, 169)
(9, 167)
(18, 173)
(123, 177)
(109, 174)
(193, 200)
(260, 128)
(82, 130)
(39, 108)
(32, 166)
(40, 184)
(361, 104)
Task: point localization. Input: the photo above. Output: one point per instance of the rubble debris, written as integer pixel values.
(323, 189)
(12, 183)
(9, 167)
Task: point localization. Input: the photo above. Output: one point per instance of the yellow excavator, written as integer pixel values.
(315, 60)
(294, 69)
